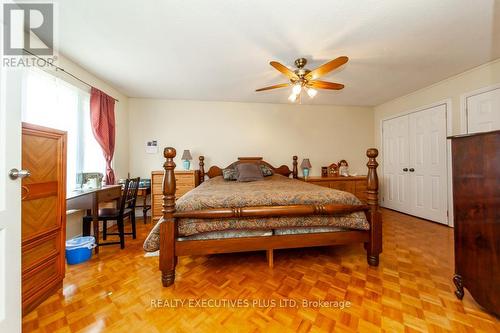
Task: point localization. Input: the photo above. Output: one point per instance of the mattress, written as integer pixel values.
(275, 190)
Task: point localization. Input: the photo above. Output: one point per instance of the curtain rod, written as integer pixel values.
(63, 70)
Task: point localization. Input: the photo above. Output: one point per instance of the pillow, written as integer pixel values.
(229, 174)
(266, 171)
(249, 172)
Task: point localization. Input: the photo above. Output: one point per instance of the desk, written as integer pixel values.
(89, 200)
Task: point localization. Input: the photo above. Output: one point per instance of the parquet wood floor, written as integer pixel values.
(411, 291)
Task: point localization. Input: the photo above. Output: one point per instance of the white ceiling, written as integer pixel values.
(220, 50)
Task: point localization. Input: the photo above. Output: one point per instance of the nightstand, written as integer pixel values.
(355, 184)
(185, 181)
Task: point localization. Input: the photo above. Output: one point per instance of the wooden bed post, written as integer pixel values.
(295, 170)
(202, 169)
(374, 246)
(168, 229)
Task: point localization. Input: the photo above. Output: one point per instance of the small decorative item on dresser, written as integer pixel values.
(333, 170)
(324, 171)
(343, 168)
(186, 158)
(305, 165)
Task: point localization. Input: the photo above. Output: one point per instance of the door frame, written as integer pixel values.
(464, 117)
(448, 105)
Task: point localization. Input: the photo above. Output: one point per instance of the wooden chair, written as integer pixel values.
(119, 214)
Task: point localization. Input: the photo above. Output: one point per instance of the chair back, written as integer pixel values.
(129, 194)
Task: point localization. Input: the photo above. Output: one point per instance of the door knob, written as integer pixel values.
(411, 169)
(14, 174)
(405, 169)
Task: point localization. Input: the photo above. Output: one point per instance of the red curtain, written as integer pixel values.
(102, 119)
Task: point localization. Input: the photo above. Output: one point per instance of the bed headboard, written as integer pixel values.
(215, 171)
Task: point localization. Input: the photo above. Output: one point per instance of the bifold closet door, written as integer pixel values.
(415, 166)
(428, 165)
(396, 161)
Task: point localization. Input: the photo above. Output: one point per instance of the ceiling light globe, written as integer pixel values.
(312, 92)
(296, 89)
(292, 98)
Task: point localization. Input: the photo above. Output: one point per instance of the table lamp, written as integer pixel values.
(305, 165)
(186, 158)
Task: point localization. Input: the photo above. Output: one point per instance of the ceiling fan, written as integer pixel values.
(305, 79)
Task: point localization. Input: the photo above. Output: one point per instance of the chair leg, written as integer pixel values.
(86, 227)
(132, 221)
(121, 232)
(104, 230)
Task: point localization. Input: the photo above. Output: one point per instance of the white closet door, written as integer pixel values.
(483, 112)
(396, 159)
(428, 166)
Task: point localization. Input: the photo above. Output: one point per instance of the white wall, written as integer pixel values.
(223, 131)
(451, 88)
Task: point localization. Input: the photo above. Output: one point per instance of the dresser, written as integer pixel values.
(43, 214)
(184, 180)
(355, 185)
(476, 205)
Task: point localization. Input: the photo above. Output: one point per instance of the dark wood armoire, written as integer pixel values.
(476, 200)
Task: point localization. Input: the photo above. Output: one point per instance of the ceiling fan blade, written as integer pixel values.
(282, 85)
(325, 68)
(285, 70)
(326, 85)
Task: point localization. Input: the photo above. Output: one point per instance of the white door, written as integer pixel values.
(428, 165)
(396, 164)
(483, 112)
(10, 201)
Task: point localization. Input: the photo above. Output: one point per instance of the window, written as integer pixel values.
(54, 103)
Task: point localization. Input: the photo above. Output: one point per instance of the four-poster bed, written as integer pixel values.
(171, 245)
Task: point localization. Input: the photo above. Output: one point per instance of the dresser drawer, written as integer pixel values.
(184, 180)
(37, 251)
(43, 276)
(324, 184)
(360, 191)
(343, 185)
(157, 178)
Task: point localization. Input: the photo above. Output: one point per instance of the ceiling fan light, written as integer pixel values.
(292, 98)
(312, 92)
(296, 89)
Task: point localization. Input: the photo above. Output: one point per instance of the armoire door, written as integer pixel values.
(415, 164)
(43, 213)
(428, 164)
(396, 161)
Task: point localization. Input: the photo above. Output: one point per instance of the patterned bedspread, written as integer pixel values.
(272, 191)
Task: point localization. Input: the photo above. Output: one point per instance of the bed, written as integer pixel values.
(278, 212)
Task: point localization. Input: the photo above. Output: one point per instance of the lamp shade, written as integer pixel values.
(186, 156)
(306, 164)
